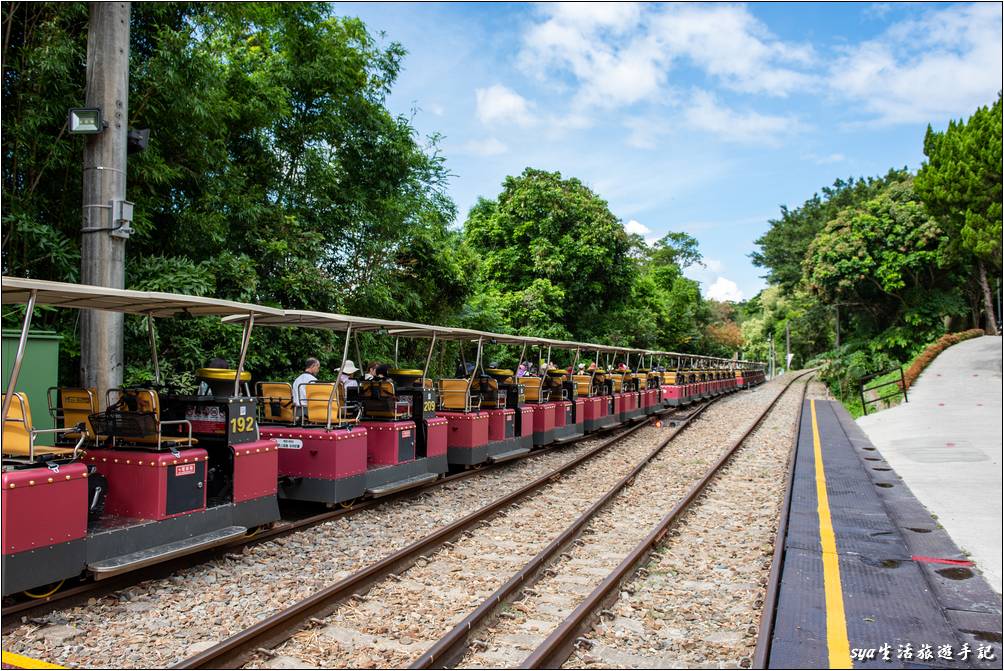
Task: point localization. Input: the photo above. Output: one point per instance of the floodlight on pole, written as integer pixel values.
(85, 121)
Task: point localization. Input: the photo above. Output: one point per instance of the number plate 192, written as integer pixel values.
(241, 424)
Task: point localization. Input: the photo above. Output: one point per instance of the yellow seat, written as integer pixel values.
(583, 384)
(617, 381)
(380, 401)
(326, 404)
(554, 382)
(669, 377)
(139, 423)
(18, 432)
(276, 400)
(454, 396)
(533, 391)
(488, 389)
(74, 406)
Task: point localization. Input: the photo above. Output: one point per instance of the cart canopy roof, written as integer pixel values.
(17, 290)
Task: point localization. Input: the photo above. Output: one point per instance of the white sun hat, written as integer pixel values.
(349, 367)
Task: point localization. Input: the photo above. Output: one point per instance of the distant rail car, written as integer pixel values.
(142, 475)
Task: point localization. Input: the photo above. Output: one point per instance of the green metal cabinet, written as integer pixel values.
(39, 371)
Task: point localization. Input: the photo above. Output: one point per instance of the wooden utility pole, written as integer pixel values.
(106, 215)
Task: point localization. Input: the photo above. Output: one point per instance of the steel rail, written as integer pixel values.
(765, 632)
(71, 596)
(451, 647)
(279, 627)
(558, 646)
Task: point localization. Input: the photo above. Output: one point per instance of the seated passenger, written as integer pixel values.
(371, 370)
(381, 372)
(311, 367)
(346, 375)
(215, 362)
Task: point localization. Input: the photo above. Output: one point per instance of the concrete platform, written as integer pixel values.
(946, 445)
(867, 573)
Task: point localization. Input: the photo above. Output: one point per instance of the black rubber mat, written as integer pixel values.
(889, 598)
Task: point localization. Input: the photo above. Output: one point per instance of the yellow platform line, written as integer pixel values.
(21, 662)
(837, 644)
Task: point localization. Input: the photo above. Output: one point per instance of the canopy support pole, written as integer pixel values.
(345, 349)
(245, 343)
(428, 359)
(477, 363)
(153, 348)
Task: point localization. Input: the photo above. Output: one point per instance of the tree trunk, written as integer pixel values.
(988, 300)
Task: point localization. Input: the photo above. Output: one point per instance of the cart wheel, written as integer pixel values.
(348, 504)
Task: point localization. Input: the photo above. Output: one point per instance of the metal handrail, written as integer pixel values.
(162, 422)
(901, 383)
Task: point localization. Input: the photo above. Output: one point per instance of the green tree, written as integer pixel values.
(785, 244)
(961, 184)
(275, 172)
(551, 240)
(884, 259)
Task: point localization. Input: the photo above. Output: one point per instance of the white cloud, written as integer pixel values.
(724, 290)
(485, 147)
(621, 54)
(714, 265)
(943, 64)
(729, 43)
(634, 227)
(498, 104)
(706, 113)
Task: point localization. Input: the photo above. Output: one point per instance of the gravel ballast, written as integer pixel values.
(698, 601)
(159, 622)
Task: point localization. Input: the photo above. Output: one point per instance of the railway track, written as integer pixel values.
(687, 593)
(623, 538)
(380, 616)
(492, 520)
(70, 595)
(101, 614)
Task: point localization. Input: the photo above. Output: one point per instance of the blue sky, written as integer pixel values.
(699, 118)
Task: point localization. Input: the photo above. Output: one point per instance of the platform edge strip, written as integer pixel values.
(12, 660)
(837, 643)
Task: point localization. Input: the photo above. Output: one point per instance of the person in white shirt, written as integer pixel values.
(348, 370)
(311, 367)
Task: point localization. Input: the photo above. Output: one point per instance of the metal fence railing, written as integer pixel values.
(900, 384)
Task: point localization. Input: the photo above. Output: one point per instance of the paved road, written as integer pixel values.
(946, 445)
